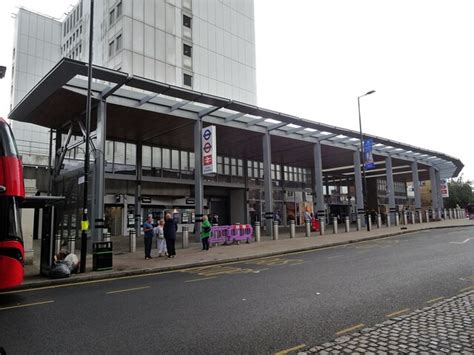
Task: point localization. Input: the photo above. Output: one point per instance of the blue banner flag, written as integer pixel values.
(368, 157)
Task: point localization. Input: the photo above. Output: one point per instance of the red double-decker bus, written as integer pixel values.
(12, 191)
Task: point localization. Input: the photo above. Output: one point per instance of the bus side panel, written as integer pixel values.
(11, 264)
(12, 177)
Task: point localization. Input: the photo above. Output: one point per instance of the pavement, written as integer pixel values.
(446, 327)
(127, 264)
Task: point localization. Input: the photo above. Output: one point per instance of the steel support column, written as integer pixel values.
(416, 185)
(318, 181)
(138, 191)
(267, 179)
(358, 187)
(434, 192)
(390, 189)
(438, 184)
(198, 185)
(99, 173)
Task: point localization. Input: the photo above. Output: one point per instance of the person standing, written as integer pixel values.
(169, 230)
(205, 232)
(148, 236)
(160, 238)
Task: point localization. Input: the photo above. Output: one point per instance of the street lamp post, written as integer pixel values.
(364, 186)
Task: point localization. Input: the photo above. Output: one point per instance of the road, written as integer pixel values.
(259, 306)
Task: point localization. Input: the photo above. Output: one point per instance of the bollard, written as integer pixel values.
(379, 221)
(413, 217)
(369, 224)
(292, 228)
(427, 216)
(322, 226)
(405, 218)
(450, 213)
(57, 243)
(106, 237)
(307, 225)
(132, 241)
(420, 217)
(358, 223)
(275, 230)
(334, 225)
(257, 232)
(348, 224)
(445, 214)
(387, 221)
(397, 220)
(185, 242)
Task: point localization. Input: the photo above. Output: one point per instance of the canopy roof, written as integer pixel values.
(154, 113)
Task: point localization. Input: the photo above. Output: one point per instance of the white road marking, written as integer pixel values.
(464, 242)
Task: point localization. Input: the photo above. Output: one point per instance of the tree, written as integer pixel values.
(460, 193)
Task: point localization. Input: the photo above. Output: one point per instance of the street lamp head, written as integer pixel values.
(370, 92)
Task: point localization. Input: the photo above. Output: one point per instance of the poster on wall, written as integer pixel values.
(209, 150)
(444, 188)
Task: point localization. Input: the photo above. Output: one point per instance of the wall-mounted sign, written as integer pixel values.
(209, 150)
(146, 199)
(444, 188)
(190, 201)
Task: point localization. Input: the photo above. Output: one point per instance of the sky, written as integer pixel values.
(315, 57)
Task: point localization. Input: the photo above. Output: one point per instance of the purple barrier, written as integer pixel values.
(219, 235)
(231, 234)
(240, 233)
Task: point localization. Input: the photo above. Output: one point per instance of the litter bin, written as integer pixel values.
(101, 256)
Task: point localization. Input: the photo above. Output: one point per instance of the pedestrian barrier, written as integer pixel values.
(235, 233)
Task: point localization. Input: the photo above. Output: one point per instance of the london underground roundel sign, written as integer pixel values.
(209, 150)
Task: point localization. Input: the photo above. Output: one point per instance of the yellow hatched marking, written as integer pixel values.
(219, 270)
(397, 313)
(435, 299)
(25, 305)
(202, 279)
(274, 261)
(287, 351)
(347, 330)
(127, 290)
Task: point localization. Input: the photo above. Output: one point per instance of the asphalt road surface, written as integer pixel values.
(260, 306)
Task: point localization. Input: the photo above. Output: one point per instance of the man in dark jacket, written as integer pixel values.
(169, 230)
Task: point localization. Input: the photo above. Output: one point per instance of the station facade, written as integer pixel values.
(147, 157)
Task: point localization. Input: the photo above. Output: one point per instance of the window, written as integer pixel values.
(175, 159)
(226, 166)
(233, 167)
(156, 157)
(118, 41)
(111, 16)
(220, 166)
(187, 50)
(111, 49)
(119, 9)
(187, 80)
(166, 158)
(80, 29)
(186, 21)
(74, 36)
(184, 161)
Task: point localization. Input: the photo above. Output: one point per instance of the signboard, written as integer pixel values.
(209, 150)
(444, 188)
(368, 157)
(146, 199)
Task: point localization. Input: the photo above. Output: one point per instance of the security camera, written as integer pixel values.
(2, 71)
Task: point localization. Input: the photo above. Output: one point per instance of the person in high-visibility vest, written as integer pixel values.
(205, 232)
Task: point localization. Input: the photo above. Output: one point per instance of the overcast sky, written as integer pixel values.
(315, 57)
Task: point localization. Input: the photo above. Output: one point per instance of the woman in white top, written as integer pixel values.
(160, 238)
